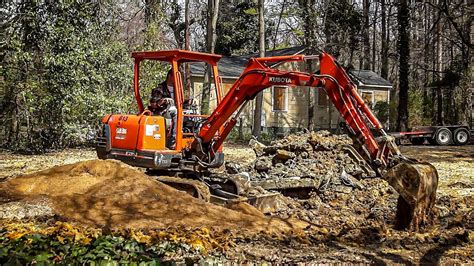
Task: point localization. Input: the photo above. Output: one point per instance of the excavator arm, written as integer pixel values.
(340, 89)
(416, 182)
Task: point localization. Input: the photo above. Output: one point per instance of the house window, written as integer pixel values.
(280, 98)
(322, 97)
(368, 97)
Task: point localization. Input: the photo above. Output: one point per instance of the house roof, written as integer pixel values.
(233, 66)
(229, 67)
(369, 78)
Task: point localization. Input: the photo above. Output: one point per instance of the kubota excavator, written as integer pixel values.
(140, 140)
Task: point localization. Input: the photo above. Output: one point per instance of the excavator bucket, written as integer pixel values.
(416, 182)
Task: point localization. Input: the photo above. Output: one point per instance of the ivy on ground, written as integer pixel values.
(65, 243)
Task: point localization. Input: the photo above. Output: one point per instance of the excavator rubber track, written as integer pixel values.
(193, 187)
(224, 192)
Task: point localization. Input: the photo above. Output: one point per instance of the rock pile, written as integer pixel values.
(315, 159)
(323, 185)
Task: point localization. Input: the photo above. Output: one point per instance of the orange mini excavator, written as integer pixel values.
(140, 139)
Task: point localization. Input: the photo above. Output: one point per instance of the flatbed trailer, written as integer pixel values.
(437, 135)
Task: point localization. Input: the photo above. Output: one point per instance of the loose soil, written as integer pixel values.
(110, 194)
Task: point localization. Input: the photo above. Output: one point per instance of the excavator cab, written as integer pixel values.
(147, 139)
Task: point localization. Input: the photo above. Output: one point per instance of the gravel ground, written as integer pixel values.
(12, 164)
(455, 166)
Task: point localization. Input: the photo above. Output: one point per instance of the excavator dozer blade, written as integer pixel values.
(416, 182)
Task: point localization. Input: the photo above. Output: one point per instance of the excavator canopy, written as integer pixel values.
(181, 56)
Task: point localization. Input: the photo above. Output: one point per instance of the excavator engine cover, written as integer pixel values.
(416, 182)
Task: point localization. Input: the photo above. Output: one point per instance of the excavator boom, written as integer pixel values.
(258, 76)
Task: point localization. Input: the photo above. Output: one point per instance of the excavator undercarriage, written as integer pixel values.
(222, 191)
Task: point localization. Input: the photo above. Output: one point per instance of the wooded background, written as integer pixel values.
(67, 63)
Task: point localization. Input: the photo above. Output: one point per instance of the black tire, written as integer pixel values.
(443, 136)
(417, 140)
(461, 136)
(432, 141)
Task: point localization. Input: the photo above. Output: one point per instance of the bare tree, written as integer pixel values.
(439, 70)
(374, 33)
(187, 72)
(366, 40)
(403, 71)
(309, 28)
(384, 42)
(257, 115)
(212, 15)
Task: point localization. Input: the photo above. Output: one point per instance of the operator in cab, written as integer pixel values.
(162, 103)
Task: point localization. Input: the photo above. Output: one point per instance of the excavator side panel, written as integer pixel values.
(152, 134)
(137, 132)
(124, 131)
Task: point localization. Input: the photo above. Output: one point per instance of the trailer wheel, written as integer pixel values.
(461, 136)
(417, 140)
(443, 136)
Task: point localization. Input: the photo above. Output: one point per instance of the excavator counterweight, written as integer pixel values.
(140, 139)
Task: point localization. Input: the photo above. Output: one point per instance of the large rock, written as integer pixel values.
(263, 164)
(284, 155)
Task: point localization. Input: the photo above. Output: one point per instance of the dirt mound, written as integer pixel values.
(110, 194)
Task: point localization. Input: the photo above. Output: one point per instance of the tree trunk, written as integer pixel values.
(439, 109)
(257, 115)
(439, 69)
(212, 15)
(374, 37)
(427, 106)
(404, 56)
(466, 88)
(187, 72)
(366, 39)
(278, 24)
(384, 54)
(309, 16)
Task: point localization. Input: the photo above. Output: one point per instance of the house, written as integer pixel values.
(287, 109)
